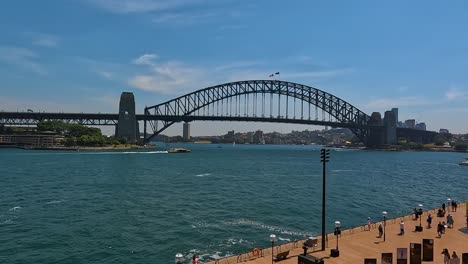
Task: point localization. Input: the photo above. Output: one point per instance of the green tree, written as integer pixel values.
(461, 147)
(439, 140)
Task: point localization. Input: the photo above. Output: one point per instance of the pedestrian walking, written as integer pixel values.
(368, 223)
(429, 221)
(439, 230)
(380, 230)
(455, 259)
(446, 256)
(450, 221)
(402, 228)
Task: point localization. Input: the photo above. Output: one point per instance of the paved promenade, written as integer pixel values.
(356, 244)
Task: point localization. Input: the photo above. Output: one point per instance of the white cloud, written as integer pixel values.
(170, 78)
(46, 40)
(146, 59)
(454, 94)
(316, 74)
(183, 19)
(21, 57)
(399, 102)
(106, 74)
(142, 6)
(178, 77)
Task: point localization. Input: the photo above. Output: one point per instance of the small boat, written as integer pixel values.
(465, 162)
(178, 150)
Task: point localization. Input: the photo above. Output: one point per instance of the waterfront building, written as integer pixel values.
(258, 137)
(33, 140)
(444, 131)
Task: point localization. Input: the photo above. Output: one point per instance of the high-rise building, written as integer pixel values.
(444, 131)
(186, 131)
(395, 113)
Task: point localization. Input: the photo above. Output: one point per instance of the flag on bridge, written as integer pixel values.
(271, 75)
(276, 73)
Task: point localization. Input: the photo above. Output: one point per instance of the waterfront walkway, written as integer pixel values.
(356, 244)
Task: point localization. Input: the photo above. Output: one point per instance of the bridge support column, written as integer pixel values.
(127, 126)
(376, 137)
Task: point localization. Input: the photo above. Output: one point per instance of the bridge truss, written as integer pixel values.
(258, 100)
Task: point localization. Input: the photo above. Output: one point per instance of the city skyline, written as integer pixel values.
(78, 56)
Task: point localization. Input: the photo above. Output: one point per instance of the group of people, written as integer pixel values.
(441, 226)
(454, 259)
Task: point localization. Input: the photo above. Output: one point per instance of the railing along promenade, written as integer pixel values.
(249, 256)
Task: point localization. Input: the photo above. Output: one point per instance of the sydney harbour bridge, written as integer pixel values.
(249, 101)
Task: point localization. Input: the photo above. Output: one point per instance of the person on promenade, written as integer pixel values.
(439, 230)
(443, 207)
(416, 214)
(380, 230)
(455, 259)
(368, 223)
(454, 206)
(446, 256)
(450, 221)
(402, 228)
(429, 221)
(195, 259)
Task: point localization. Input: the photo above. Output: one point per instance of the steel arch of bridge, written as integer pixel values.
(187, 107)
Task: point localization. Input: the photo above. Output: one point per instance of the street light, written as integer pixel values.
(273, 240)
(337, 232)
(179, 258)
(324, 158)
(384, 214)
(420, 214)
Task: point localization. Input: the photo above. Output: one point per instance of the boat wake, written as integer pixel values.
(203, 175)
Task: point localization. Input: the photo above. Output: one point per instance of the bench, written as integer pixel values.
(282, 255)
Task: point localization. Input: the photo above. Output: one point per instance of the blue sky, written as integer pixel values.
(79, 55)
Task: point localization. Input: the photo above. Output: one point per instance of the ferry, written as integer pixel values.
(178, 150)
(465, 162)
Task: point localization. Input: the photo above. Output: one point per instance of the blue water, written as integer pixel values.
(130, 207)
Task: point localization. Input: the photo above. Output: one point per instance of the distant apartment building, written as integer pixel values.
(410, 123)
(421, 126)
(230, 136)
(444, 131)
(258, 137)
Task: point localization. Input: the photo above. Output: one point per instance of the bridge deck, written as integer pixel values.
(355, 244)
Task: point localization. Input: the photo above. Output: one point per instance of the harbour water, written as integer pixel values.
(144, 207)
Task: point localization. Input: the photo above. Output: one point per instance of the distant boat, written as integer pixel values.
(465, 162)
(234, 144)
(178, 150)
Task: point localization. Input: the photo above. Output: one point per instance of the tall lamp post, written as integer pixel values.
(420, 214)
(384, 214)
(337, 232)
(273, 240)
(324, 158)
(179, 258)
